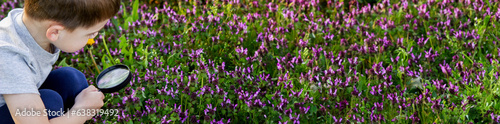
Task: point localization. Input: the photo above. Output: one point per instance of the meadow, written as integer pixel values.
(299, 61)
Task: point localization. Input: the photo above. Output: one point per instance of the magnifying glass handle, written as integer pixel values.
(99, 90)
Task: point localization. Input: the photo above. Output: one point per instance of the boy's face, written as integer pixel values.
(76, 40)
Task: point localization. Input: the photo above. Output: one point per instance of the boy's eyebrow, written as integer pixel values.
(100, 28)
(97, 30)
(92, 33)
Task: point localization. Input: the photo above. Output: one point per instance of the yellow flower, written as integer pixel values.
(90, 42)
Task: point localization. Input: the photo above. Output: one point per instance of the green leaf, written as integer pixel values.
(63, 63)
(314, 109)
(130, 58)
(171, 60)
(135, 7)
(105, 63)
(128, 20)
(123, 42)
(486, 21)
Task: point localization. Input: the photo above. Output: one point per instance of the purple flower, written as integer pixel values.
(436, 104)
(439, 85)
(288, 85)
(317, 51)
(341, 105)
(285, 122)
(453, 89)
(183, 116)
(303, 43)
(354, 61)
(421, 41)
(296, 94)
(262, 49)
(376, 90)
(337, 121)
(414, 59)
(422, 11)
(257, 103)
(471, 99)
(496, 75)
(332, 94)
(295, 119)
(195, 54)
(194, 119)
(378, 106)
(355, 92)
(376, 117)
(210, 110)
(458, 34)
(385, 24)
(470, 45)
(282, 42)
(405, 28)
(177, 109)
(495, 119)
(408, 17)
(430, 56)
(329, 37)
(165, 121)
(241, 51)
(221, 121)
(304, 110)
(445, 68)
(458, 13)
(414, 117)
(395, 60)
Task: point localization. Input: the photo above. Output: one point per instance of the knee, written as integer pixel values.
(51, 99)
(53, 102)
(73, 76)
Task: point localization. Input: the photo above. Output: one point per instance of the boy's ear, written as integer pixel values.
(53, 32)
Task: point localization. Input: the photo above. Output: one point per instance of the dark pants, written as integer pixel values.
(57, 92)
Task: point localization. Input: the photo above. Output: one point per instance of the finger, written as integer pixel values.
(102, 95)
(101, 104)
(98, 94)
(92, 88)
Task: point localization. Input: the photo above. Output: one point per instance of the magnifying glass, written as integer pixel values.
(113, 79)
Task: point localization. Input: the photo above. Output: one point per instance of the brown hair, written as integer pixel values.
(72, 13)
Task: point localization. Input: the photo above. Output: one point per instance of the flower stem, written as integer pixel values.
(107, 50)
(93, 61)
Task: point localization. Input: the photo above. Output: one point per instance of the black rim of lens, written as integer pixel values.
(117, 87)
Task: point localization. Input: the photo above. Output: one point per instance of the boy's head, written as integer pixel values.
(72, 22)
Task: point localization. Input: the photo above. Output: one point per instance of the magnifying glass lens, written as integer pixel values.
(113, 78)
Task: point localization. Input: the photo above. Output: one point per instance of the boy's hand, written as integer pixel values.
(89, 98)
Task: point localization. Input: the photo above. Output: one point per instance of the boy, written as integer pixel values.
(30, 42)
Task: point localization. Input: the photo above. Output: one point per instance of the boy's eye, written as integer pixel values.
(93, 35)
